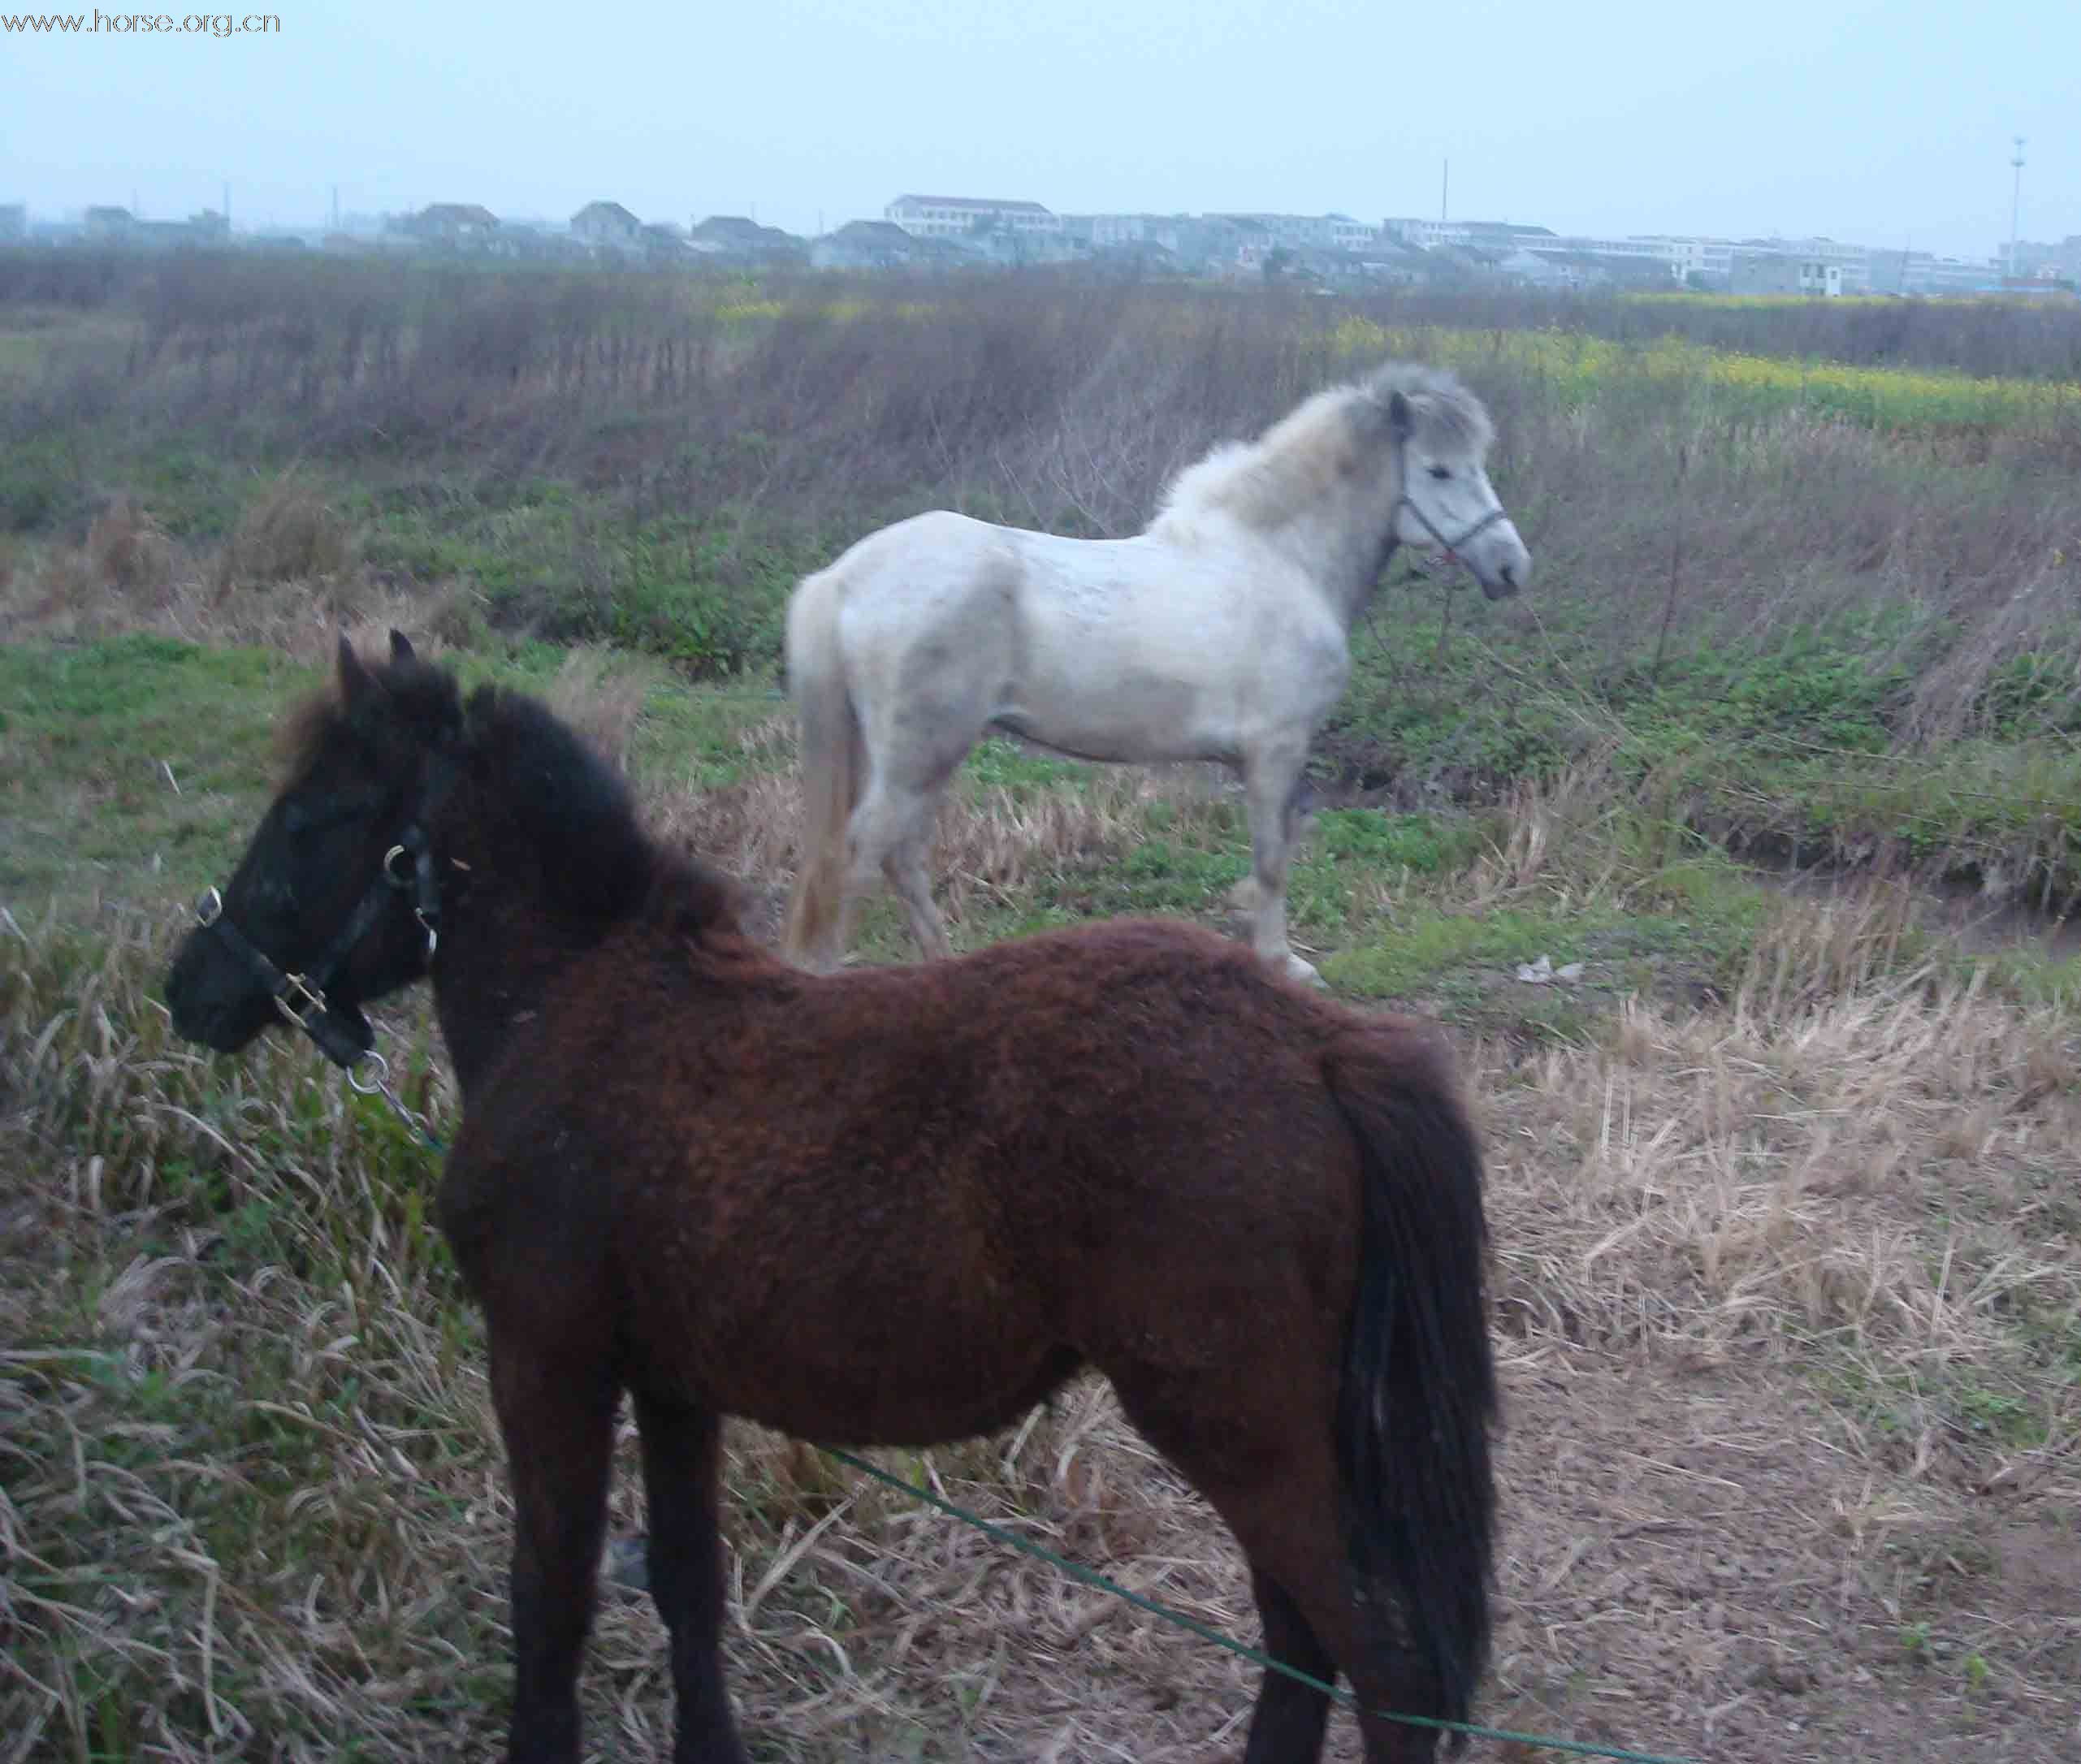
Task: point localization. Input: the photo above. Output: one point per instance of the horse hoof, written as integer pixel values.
(1304, 972)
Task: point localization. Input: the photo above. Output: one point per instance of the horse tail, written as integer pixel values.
(1417, 1391)
(829, 747)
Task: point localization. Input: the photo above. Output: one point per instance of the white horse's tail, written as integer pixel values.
(831, 756)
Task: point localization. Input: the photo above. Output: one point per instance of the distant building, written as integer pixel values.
(1312, 232)
(1772, 272)
(961, 217)
(1567, 264)
(120, 226)
(1135, 259)
(1823, 269)
(1634, 261)
(1694, 261)
(608, 223)
(871, 244)
(449, 223)
(205, 227)
(1923, 273)
(736, 238)
(2034, 261)
(1484, 235)
(1101, 233)
(1390, 260)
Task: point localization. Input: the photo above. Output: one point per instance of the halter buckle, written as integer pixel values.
(310, 1003)
(208, 908)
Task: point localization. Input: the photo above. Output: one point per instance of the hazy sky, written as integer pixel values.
(1879, 123)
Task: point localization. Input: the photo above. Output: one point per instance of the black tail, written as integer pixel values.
(1418, 1393)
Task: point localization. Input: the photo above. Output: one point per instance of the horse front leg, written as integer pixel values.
(681, 1480)
(1271, 786)
(556, 1413)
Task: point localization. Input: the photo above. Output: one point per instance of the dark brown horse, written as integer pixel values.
(891, 1207)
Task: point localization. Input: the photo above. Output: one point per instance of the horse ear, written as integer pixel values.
(401, 646)
(358, 685)
(1399, 416)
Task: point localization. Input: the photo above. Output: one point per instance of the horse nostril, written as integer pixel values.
(1510, 575)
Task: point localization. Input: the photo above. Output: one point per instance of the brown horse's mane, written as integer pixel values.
(599, 863)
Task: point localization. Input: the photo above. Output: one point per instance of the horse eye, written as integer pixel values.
(1441, 471)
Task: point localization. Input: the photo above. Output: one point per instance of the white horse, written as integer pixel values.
(1221, 633)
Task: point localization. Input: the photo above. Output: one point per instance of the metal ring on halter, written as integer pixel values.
(395, 879)
(208, 908)
(381, 1086)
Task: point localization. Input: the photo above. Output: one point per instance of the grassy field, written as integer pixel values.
(1788, 1290)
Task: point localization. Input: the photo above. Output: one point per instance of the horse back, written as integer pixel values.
(1076, 1146)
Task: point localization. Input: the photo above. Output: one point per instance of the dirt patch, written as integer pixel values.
(1694, 1566)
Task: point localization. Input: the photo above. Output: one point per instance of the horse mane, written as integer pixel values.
(1263, 484)
(599, 864)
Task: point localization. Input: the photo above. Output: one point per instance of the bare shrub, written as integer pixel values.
(600, 693)
(57, 591)
(129, 549)
(289, 533)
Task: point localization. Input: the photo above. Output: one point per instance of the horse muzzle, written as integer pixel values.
(1504, 567)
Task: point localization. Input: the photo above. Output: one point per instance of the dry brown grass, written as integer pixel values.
(128, 576)
(288, 534)
(130, 550)
(600, 693)
(1764, 1280)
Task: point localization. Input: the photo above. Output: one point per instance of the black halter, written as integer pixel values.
(1451, 547)
(342, 1033)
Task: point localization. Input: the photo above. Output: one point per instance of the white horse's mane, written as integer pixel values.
(1266, 483)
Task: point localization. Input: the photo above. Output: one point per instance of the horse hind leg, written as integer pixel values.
(1290, 1716)
(891, 835)
(904, 868)
(1272, 1475)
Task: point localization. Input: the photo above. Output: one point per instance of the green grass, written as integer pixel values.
(134, 764)
(1799, 745)
(131, 759)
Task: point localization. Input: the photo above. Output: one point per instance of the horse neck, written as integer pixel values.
(1343, 543)
(502, 942)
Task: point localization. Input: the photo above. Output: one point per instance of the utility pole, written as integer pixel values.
(2015, 204)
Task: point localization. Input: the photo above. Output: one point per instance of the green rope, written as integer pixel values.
(1091, 1577)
